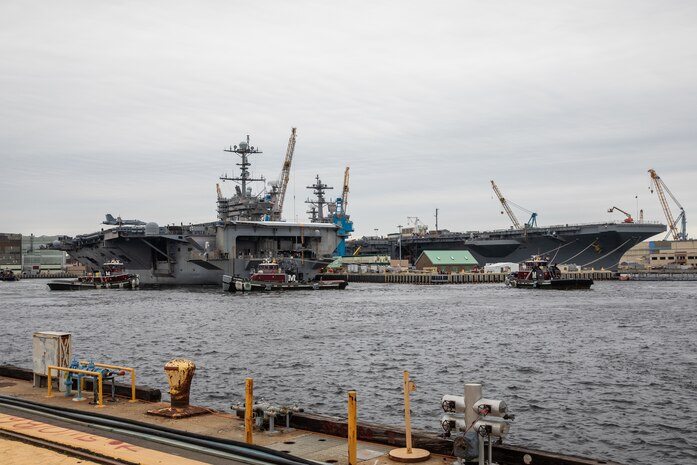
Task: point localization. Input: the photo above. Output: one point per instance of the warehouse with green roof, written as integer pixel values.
(446, 261)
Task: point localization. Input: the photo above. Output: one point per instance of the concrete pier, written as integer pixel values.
(457, 278)
(311, 437)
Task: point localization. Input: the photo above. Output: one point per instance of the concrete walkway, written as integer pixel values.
(309, 445)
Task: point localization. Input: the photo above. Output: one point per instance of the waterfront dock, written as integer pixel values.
(453, 278)
(661, 275)
(307, 439)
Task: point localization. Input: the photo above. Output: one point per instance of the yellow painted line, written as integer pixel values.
(112, 448)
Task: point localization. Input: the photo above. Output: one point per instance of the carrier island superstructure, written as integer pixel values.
(248, 231)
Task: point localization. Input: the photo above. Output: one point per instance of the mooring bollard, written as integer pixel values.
(407, 454)
(352, 430)
(179, 373)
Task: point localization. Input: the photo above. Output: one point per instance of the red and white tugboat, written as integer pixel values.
(537, 273)
(270, 277)
(112, 276)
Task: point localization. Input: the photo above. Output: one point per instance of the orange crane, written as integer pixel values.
(660, 187)
(628, 219)
(285, 176)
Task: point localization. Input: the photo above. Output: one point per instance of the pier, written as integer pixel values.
(455, 278)
(661, 275)
(123, 432)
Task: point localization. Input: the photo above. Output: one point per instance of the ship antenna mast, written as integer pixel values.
(317, 206)
(243, 150)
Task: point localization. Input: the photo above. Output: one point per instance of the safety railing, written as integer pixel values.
(132, 371)
(58, 369)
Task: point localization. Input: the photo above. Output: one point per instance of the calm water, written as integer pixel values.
(609, 373)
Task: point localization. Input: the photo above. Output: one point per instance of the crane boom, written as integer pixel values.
(629, 218)
(660, 187)
(505, 205)
(285, 176)
(345, 192)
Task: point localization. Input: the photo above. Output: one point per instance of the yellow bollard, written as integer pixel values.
(407, 454)
(352, 436)
(179, 373)
(248, 410)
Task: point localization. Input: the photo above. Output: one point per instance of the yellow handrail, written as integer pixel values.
(117, 367)
(75, 370)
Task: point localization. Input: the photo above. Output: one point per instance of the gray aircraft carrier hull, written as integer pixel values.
(201, 254)
(597, 245)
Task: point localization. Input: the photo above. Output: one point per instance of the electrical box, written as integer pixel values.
(50, 348)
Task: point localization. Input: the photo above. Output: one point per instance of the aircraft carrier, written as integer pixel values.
(248, 231)
(596, 245)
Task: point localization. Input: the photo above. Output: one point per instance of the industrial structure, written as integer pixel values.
(531, 223)
(661, 188)
(282, 185)
(661, 255)
(30, 255)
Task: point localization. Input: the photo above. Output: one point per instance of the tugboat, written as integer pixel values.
(8, 275)
(112, 276)
(537, 273)
(269, 276)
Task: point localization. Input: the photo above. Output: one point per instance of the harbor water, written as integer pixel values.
(609, 373)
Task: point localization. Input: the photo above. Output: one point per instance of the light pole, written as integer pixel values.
(636, 197)
(376, 232)
(399, 244)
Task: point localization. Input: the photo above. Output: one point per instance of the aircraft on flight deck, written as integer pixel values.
(118, 221)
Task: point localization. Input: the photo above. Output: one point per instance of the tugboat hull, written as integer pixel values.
(236, 284)
(75, 285)
(558, 284)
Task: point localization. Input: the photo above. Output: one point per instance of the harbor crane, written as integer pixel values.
(285, 176)
(342, 219)
(660, 187)
(531, 223)
(628, 218)
(341, 209)
(419, 227)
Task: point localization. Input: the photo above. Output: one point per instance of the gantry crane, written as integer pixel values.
(628, 218)
(285, 176)
(532, 222)
(660, 186)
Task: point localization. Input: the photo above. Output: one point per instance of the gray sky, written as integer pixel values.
(125, 108)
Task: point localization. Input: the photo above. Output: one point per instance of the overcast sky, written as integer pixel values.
(125, 107)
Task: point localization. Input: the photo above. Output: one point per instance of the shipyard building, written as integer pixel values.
(30, 255)
(658, 255)
(11, 251)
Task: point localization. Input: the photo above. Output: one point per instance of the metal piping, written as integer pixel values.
(241, 451)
